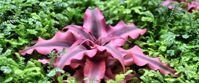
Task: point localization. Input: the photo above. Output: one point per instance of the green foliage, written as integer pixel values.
(172, 34)
(120, 77)
(12, 71)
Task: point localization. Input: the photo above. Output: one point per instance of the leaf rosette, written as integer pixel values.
(94, 50)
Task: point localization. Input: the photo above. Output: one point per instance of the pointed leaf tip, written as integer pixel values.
(58, 42)
(124, 31)
(94, 22)
(154, 63)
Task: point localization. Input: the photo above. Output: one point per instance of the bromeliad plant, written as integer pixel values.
(193, 5)
(94, 50)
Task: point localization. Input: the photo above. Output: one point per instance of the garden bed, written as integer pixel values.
(170, 33)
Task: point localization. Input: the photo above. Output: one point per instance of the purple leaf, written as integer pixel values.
(194, 5)
(109, 74)
(79, 76)
(128, 60)
(58, 42)
(154, 63)
(78, 32)
(73, 53)
(123, 31)
(94, 71)
(76, 63)
(94, 22)
(114, 53)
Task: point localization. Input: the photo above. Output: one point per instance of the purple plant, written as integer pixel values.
(94, 50)
(194, 5)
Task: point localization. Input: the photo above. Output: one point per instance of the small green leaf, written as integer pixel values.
(5, 69)
(35, 16)
(185, 36)
(54, 71)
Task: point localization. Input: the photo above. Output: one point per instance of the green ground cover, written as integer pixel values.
(173, 35)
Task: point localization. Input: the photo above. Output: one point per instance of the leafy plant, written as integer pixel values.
(12, 71)
(94, 50)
